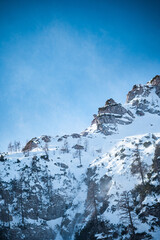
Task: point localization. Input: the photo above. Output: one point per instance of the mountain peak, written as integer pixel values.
(110, 107)
(62, 187)
(155, 81)
(110, 116)
(141, 99)
(110, 102)
(144, 91)
(145, 98)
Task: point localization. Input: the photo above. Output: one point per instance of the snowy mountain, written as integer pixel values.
(100, 184)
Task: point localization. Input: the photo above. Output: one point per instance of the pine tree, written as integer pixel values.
(86, 145)
(18, 146)
(15, 146)
(10, 147)
(127, 211)
(21, 200)
(156, 161)
(65, 147)
(79, 149)
(138, 167)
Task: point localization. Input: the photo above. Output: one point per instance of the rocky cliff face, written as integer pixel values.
(146, 98)
(140, 100)
(101, 184)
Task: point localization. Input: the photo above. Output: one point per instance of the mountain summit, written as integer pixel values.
(140, 100)
(103, 183)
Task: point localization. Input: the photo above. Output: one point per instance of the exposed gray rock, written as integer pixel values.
(78, 147)
(30, 145)
(62, 165)
(46, 138)
(138, 97)
(76, 135)
(138, 90)
(110, 116)
(113, 108)
(155, 81)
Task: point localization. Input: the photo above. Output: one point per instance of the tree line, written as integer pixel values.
(14, 147)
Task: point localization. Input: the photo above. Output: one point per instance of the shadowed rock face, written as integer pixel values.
(155, 81)
(138, 90)
(30, 145)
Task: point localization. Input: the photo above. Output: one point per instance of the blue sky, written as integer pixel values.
(61, 60)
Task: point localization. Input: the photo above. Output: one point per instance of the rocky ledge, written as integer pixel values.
(110, 115)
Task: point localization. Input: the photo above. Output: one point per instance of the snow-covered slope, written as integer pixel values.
(142, 100)
(100, 184)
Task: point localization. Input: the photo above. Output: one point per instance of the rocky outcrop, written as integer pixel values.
(75, 135)
(110, 116)
(140, 100)
(46, 138)
(111, 107)
(144, 90)
(145, 98)
(155, 81)
(138, 91)
(30, 145)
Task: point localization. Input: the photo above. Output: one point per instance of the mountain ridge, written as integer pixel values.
(141, 99)
(100, 184)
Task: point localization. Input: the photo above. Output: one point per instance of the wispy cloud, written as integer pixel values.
(57, 78)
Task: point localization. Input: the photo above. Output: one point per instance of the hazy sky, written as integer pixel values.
(61, 60)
